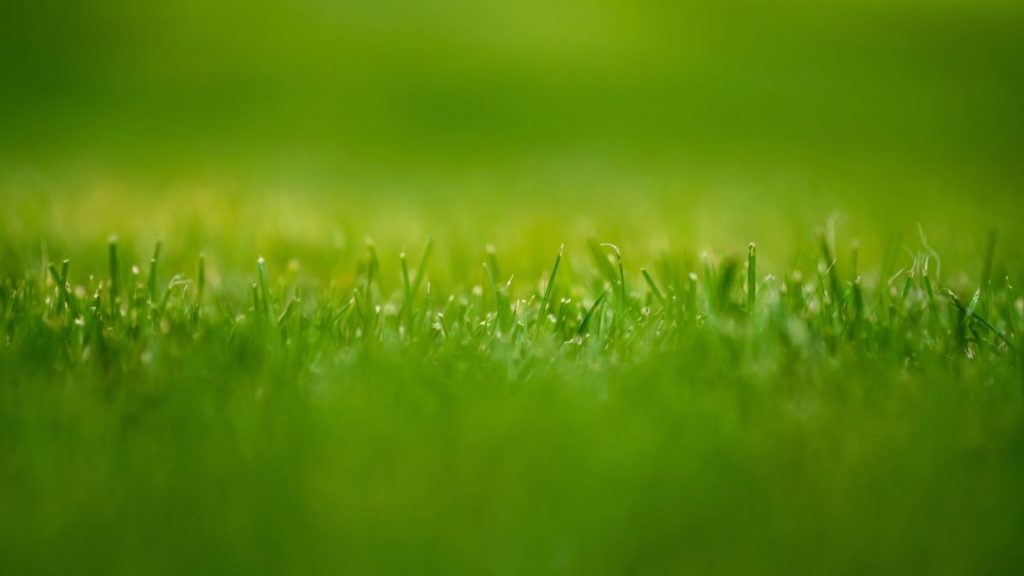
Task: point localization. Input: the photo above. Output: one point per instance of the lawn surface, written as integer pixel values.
(698, 413)
(451, 287)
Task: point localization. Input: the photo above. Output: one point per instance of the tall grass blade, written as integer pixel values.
(151, 281)
(652, 286)
(542, 313)
(588, 317)
(115, 282)
(265, 307)
(751, 278)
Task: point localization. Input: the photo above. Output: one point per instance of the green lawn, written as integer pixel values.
(594, 415)
(465, 287)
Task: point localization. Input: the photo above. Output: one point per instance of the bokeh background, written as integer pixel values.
(653, 124)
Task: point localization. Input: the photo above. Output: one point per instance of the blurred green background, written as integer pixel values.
(711, 122)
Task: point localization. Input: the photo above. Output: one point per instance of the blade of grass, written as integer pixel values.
(115, 283)
(201, 282)
(542, 313)
(751, 278)
(968, 312)
(831, 271)
(501, 307)
(406, 286)
(986, 271)
(601, 261)
(289, 310)
(266, 309)
(653, 287)
(151, 285)
(61, 279)
(197, 303)
(581, 330)
(421, 268)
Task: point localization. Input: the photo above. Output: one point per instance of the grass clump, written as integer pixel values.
(800, 421)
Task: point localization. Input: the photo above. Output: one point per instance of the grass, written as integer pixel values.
(559, 353)
(803, 420)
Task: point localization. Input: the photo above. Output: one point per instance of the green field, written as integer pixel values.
(475, 288)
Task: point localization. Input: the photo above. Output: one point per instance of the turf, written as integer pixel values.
(654, 287)
(590, 414)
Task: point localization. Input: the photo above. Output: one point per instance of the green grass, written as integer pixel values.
(608, 415)
(470, 287)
